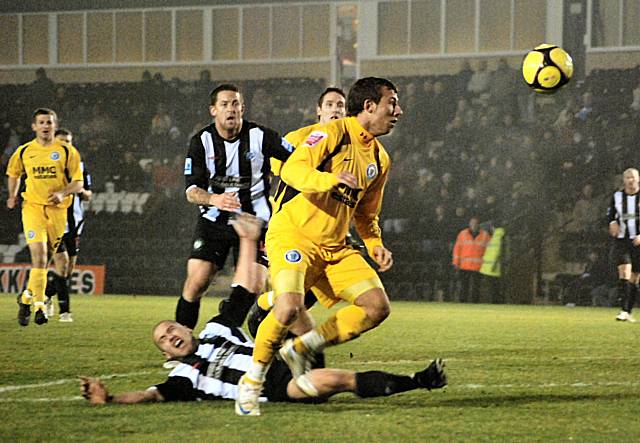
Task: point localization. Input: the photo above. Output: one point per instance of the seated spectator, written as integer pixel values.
(130, 176)
(592, 287)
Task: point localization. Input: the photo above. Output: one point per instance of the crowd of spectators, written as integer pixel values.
(478, 142)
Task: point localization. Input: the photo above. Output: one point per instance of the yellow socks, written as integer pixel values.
(270, 335)
(265, 300)
(347, 324)
(37, 284)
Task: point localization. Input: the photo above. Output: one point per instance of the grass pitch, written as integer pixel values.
(516, 373)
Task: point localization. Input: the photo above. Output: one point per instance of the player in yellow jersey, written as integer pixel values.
(336, 175)
(52, 175)
(331, 106)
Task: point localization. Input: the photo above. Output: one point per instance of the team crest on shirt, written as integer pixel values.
(293, 256)
(372, 171)
(197, 244)
(31, 235)
(315, 137)
(250, 155)
(55, 155)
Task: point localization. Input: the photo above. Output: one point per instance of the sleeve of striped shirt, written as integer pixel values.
(177, 389)
(195, 166)
(88, 181)
(275, 146)
(612, 214)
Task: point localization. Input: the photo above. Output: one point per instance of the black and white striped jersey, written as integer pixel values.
(624, 210)
(223, 356)
(240, 165)
(75, 212)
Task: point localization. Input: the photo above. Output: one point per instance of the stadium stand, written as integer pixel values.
(523, 161)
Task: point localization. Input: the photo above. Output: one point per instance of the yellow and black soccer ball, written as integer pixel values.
(547, 68)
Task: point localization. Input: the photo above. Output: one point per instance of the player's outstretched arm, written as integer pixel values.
(96, 392)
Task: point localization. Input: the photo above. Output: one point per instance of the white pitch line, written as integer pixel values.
(71, 380)
(546, 385)
(40, 400)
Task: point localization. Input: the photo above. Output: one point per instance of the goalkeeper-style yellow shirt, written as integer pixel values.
(48, 169)
(314, 205)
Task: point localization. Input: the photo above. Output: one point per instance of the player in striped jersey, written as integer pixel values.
(226, 170)
(624, 227)
(66, 255)
(212, 365)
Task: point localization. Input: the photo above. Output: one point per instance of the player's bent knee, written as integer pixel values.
(287, 307)
(381, 313)
(376, 305)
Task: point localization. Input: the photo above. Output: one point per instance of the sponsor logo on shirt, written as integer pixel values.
(315, 137)
(346, 195)
(292, 256)
(43, 172)
(188, 166)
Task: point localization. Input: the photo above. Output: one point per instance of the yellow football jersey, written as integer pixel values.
(313, 204)
(296, 138)
(48, 169)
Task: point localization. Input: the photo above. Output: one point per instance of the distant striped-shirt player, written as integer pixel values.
(211, 365)
(66, 256)
(624, 227)
(226, 170)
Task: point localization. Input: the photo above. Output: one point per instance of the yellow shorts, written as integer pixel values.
(43, 224)
(297, 264)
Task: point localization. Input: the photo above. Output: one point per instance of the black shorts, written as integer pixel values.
(71, 243)
(278, 378)
(212, 242)
(625, 253)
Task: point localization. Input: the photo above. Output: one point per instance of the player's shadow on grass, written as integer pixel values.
(485, 401)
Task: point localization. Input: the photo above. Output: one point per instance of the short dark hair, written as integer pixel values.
(43, 111)
(367, 88)
(222, 87)
(62, 131)
(328, 91)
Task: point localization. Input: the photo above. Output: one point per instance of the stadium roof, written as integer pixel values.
(71, 5)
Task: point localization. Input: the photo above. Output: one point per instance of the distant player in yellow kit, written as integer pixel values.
(336, 175)
(52, 174)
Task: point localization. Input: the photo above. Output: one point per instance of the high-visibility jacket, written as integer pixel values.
(468, 250)
(492, 260)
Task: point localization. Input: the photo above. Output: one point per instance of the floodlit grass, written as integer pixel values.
(517, 373)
